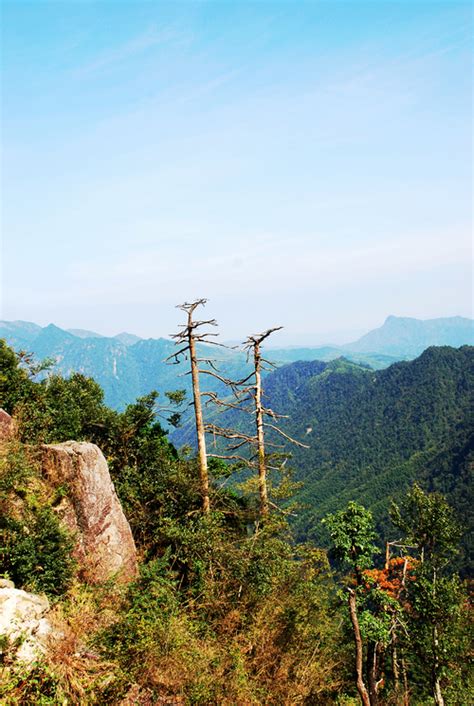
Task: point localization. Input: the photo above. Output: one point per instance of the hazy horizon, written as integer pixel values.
(280, 338)
(304, 164)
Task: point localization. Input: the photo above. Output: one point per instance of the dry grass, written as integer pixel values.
(81, 671)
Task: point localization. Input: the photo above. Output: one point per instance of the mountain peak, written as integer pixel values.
(408, 337)
(53, 327)
(84, 333)
(127, 338)
(53, 332)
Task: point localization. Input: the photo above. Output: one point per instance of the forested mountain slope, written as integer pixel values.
(372, 433)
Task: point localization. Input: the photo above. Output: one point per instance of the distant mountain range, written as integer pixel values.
(407, 338)
(127, 366)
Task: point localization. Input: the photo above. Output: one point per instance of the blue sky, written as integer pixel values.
(298, 163)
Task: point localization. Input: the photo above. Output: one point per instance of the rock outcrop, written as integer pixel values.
(91, 510)
(7, 425)
(23, 623)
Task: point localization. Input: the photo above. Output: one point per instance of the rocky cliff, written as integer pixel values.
(91, 510)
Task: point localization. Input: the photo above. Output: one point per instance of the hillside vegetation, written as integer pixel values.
(228, 607)
(373, 433)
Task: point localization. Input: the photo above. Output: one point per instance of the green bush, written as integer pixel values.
(38, 686)
(143, 627)
(37, 555)
(35, 551)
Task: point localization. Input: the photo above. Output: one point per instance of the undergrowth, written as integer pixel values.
(35, 550)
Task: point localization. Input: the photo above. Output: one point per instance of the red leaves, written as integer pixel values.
(392, 580)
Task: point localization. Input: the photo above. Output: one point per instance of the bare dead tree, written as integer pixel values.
(187, 340)
(245, 395)
(250, 390)
(253, 346)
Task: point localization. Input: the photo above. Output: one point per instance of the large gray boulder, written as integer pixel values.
(91, 510)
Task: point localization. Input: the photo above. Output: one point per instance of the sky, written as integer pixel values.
(304, 164)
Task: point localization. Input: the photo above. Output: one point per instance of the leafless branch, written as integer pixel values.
(191, 306)
(175, 355)
(227, 433)
(230, 457)
(234, 447)
(225, 381)
(275, 415)
(289, 438)
(259, 337)
(214, 399)
(282, 510)
(269, 362)
(204, 322)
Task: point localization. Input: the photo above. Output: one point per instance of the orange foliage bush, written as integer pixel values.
(392, 579)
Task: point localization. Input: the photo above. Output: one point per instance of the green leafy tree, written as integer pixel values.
(17, 388)
(353, 535)
(435, 598)
(74, 408)
(52, 409)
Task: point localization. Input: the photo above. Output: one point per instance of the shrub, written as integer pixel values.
(35, 551)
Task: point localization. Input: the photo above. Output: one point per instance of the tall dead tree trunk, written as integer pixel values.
(436, 684)
(248, 391)
(253, 346)
(361, 688)
(373, 659)
(406, 691)
(187, 339)
(262, 469)
(395, 666)
(201, 438)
